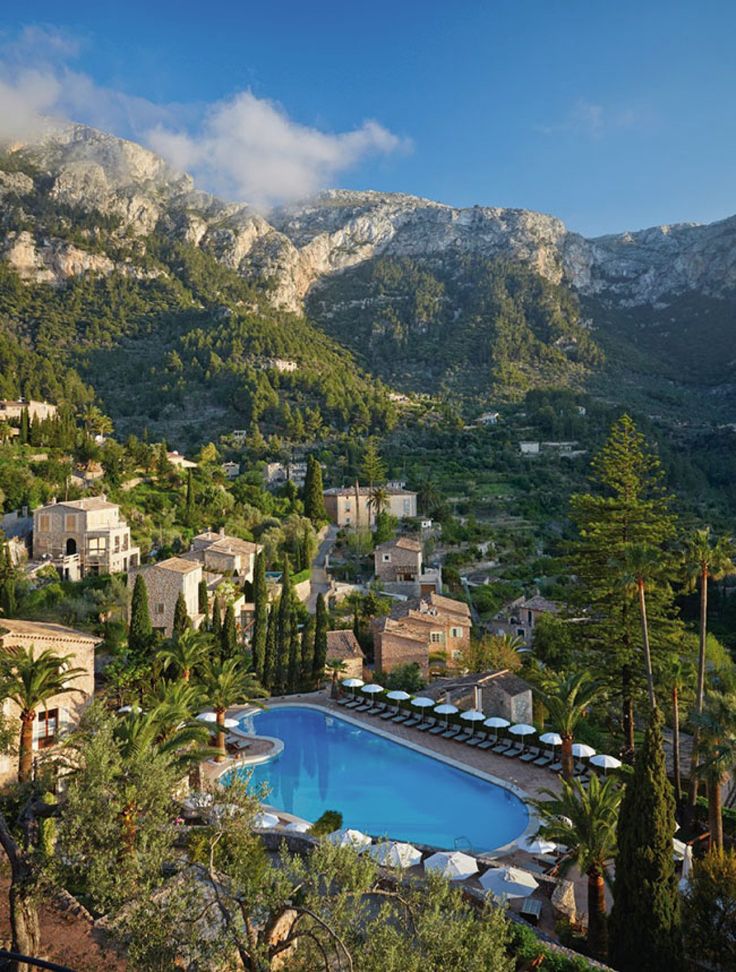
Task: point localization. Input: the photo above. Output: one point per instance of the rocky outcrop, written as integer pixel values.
(296, 247)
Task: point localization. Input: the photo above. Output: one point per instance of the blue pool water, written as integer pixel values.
(380, 786)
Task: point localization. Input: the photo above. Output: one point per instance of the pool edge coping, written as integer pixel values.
(533, 823)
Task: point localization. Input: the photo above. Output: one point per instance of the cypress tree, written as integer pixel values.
(645, 920)
(216, 623)
(320, 640)
(203, 599)
(314, 504)
(163, 466)
(229, 634)
(24, 433)
(140, 630)
(269, 657)
(628, 508)
(190, 498)
(307, 654)
(283, 632)
(8, 601)
(260, 622)
(293, 677)
(181, 616)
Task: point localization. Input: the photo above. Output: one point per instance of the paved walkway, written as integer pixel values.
(320, 579)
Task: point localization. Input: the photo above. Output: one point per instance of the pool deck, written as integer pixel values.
(530, 780)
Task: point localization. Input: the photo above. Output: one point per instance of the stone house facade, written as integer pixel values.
(520, 617)
(508, 696)
(399, 567)
(419, 628)
(84, 536)
(343, 646)
(164, 582)
(12, 411)
(397, 643)
(225, 555)
(62, 711)
(350, 506)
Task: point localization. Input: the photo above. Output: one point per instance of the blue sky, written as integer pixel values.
(612, 116)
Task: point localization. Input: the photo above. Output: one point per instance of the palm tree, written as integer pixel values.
(378, 499)
(30, 681)
(585, 820)
(703, 561)
(172, 705)
(335, 667)
(641, 566)
(226, 683)
(567, 698)
(141, 734)
(186, 652)
(716, 754)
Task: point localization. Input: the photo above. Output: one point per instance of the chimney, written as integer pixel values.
(222, 531)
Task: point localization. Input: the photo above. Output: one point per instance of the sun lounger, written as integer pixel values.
(412, 722)
(362, 708)
(500, 748)
(487, 744)
(473, 741)
(426, 726)
(451, 732)
(389, 714)
(344, 700)
(555, 767)
(463, 736)
(531, 909)
(353, 703)
(436, 730)
(377, 709)
(401, 717)
(545, 759)
(512, 752)
(530, 755)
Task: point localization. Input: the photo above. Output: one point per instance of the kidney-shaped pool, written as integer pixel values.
(380, 786)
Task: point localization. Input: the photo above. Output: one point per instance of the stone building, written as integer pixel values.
(350, 506)
(84, 536)
(419, 628)
(399, 566)
(520, 617)
(62, 711)
(225, 555)
(11, 411)
(164, 582)
(343, 646)
(509, 696)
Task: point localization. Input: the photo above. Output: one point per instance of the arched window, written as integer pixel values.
(71, 546)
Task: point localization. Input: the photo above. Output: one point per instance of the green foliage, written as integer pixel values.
(182, 621)
(140, 630)
(314, 504)
(229, 634)
(328, 823)
(320, 639)
(645, 920)
(710, 909)
(406, 677)
(260, 620)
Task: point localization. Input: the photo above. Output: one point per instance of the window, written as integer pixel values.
(70, 521)
(456, 632)
(159, 608)
(117, 543)
(407, 507)
(436, 637)
(97, 545)
(125, 541)
(387, 558)
(43, 523)
(45, 728)
(520, 632)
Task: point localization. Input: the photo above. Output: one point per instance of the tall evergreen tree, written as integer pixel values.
(190, 498)
(373, 468)
(216, 622)
(260, 620)
(163, 466)
(229, 634)
(269, 656)
(203, 599)
(8, 600)
(307, 655)
(320, 640)
(24, 432)
(283, 631)
(294, 670)
(140, 630)
(314, 504)
(645, 920)
(628, 508)
(182, 620)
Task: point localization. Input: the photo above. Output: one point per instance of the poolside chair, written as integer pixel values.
(530, 755)
(390, 713)
(440, 727)
(353, 703)
(462, 736)
(378, 709)
(344, 700)
(513, 751)
(401, 717)
(556, 767)
(488, 743)
(413, 721)
(531, 909)
(545, 759)
(427, 725)
(363, 708)
(474, 740)
(451, 732)
(500, 748)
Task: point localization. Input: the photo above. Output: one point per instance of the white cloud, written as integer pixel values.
(244, 147)
(592, 120)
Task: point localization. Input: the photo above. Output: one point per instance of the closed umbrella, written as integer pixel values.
(537, 845)
(687, 867)
(446, 709)
(472, 716)
(349, 838)
(422, 702)
(453, 865)
(497, 722)
(298, 826)
(582, 751)
(605, 762)
(265, 821)
(508, 882)
(393, 853)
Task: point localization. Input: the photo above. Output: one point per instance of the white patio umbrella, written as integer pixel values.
(497, 722)
(264, 821)
(551, 739)
(207, 716)
(231, 723)
(679, 848)
(298, 826)
(398, 695)
(537, 845)
(582, 751)
(372, 689)
(605, 762)
(508, 882)
(472, 716)
(352, 683)
(393, 853)
(446, 709)
(453, 865)
(522, 729)
(422, 702)
(349, 838)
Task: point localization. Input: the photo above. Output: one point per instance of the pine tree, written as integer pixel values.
(182, 620)
(229, 634)
(628, 509)
(163, 466)
(203, 599)
(320, 640)
(373, 468)
(269, 658)
(260, 621)
(140, 630)
(314, 504)
(294, 670)
(645, 920)
(216, 623)
(307, 655)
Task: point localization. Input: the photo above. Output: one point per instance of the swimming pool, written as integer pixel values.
(380, 786)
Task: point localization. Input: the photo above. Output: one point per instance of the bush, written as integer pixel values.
(330, 821)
